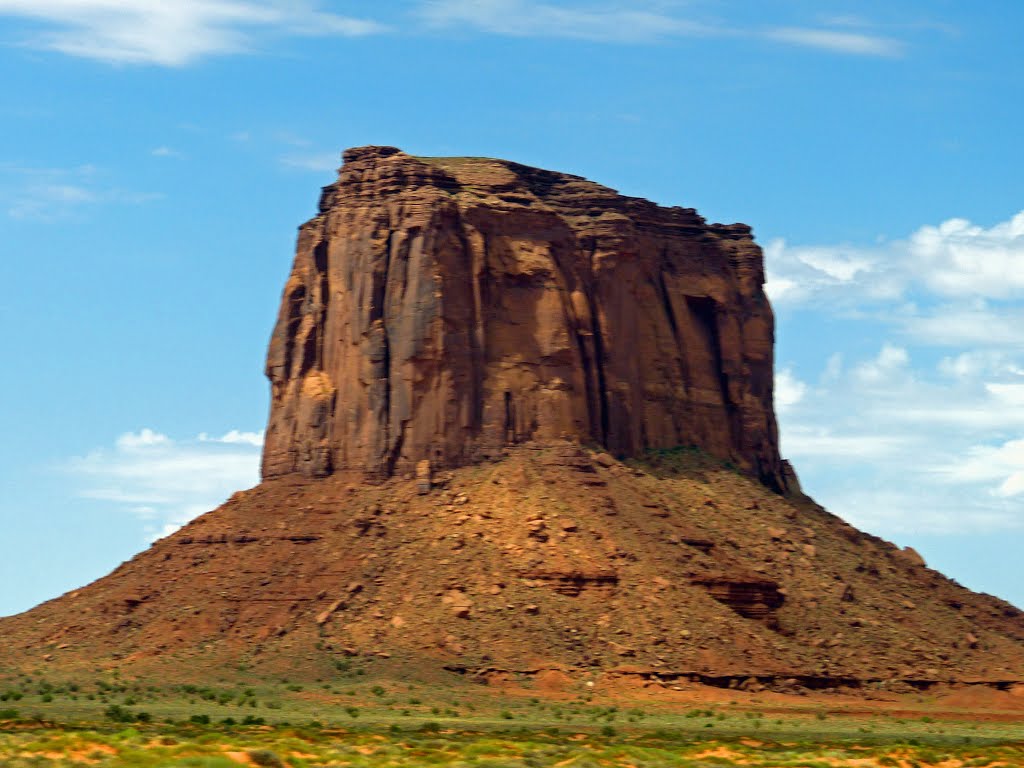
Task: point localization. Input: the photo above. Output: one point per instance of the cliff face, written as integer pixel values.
(445, 308)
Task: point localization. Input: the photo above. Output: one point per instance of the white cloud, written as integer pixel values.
(820, 442)
(164, 152)
(837, 41)
(1010, 395)
(956, 259)
(814, 274)
(172, 33)
(526, 18)
(906, 440)
(1002, 465)
(913, 508)
(890, 364)
(974, 363)
(55, 193)
(978, 324)
(925, 448)
(235, 437)
(318, 162)
(630, 23)
(789, 390)
(833, 368)
(168, 482)
(132, 441)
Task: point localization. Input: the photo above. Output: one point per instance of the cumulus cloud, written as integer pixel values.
(172, 33)
(817, 274)
(958, 258)
(235, 437)
(1001, 465)
(891, 363)
(168, 482)
(905, 447)
(789, 390)
(955, 260)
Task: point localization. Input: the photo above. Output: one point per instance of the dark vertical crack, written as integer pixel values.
(602, 386)
(705, 310)
(378, 312)
(599, 359)
(510, 419)
(666, 301)
(477, 269)
(592, 353)
(320, 262)
(294, 315)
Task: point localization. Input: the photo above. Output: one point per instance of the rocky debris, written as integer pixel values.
(572, 583)
(424, 477)
(912, 556)
(455, 575)
(443, 309)
(750, 596)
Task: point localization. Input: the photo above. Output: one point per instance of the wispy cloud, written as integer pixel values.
(164, 151)
(318, 162)
(633, 23)
(173, 33)
(838, 41)
(168, 482)
(525, 18)
(55, 193)
(177, 34)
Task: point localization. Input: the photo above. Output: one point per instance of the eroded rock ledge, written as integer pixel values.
(443, 308)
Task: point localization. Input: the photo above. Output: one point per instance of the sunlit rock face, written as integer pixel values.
(443, 309)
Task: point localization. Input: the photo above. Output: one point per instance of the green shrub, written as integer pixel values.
(200, 719)
(430, 727)
(119, 714)
(8, 714)
(265, 758)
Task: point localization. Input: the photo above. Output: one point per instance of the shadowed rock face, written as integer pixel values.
(444, 308)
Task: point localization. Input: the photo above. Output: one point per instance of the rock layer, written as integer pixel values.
(443, 309)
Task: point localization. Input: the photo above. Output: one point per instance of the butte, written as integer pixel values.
(523, 425)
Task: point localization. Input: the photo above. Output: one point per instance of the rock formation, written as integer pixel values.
(493, 334)
(442, 309)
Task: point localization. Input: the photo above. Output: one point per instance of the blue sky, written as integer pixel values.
(155, 162)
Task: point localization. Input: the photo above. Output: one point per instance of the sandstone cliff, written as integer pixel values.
(445, 308)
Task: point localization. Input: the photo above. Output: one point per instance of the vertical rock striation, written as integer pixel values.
(443, 308)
